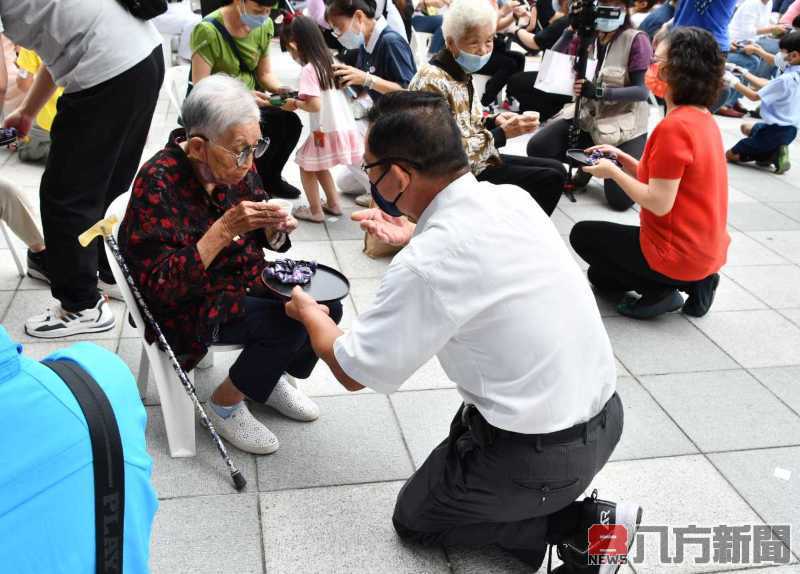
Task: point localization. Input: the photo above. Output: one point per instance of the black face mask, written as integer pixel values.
(388, 207)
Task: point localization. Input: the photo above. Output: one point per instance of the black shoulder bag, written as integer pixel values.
(109, 466)
(145, 9)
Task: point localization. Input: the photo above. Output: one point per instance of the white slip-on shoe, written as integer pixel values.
(110, 290)
(292, 402)
(243, 431)
(55, 322)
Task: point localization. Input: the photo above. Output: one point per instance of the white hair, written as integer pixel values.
(463, 15)
(215, 104)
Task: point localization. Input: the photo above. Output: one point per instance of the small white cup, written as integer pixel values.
(284, 204)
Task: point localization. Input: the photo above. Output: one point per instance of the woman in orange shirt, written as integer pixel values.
(681, 185)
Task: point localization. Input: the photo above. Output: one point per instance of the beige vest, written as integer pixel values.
(613, 122)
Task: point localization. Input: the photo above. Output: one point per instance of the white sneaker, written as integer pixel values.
(243, 431)
(292, 402)
(110, 290)
(56, 322)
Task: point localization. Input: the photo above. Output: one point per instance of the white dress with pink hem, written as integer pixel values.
(334, 138)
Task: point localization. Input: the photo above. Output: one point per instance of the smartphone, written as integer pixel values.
(578, 157)
(8, 136)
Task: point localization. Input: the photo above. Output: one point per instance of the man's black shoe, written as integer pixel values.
(574, 550)
(37, 266)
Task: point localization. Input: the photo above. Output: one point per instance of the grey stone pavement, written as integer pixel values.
(712, 409)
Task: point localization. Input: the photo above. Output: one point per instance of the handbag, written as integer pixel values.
(107, 460)
(145, 9)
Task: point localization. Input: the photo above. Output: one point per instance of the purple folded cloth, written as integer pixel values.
(291, 272)
(596, 156)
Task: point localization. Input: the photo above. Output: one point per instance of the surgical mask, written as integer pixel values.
(780, 61)
(556, 6)
(388, 207)
(252, 21)
(652, 79)
(611, 24)
(352, 40)
(471, 63)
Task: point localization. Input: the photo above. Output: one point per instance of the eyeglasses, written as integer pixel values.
(241, 157)
(365, 167)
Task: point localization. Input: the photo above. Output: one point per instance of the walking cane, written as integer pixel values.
(104, 228)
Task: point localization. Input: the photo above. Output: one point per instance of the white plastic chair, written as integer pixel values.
(176, 405)
(176, 80)
(13, 249)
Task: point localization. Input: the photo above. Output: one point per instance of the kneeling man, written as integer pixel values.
(490, 288)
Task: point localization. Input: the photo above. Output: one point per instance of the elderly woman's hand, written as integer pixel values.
(349, 76)
(517, 124)
(251, 215)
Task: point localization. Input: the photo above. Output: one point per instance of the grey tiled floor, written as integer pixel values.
(712, 410)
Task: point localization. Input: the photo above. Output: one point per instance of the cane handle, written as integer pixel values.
(103, 228)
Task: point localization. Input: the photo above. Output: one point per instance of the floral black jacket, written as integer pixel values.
(168, 213)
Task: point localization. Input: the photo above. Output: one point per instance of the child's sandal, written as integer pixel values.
(304, 213)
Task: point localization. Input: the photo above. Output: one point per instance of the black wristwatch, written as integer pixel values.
(599, 92)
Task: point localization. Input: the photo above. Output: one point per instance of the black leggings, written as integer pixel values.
(273, 344)
(283, 130)
(520, 87)
(542, 178)
(501, 66)
(552, 140)
(616, 261)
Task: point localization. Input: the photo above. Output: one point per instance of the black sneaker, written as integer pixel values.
(284, 190)
(574, 551)
(650, 305)
(37, 266)
(701, 297)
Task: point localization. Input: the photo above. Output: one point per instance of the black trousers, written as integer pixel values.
(479, 487)
(97, 140)
(542, 178)
(283, 130)
(520, 87)
(616, 261)
(274, 344)
(552, 140)
(501, 66)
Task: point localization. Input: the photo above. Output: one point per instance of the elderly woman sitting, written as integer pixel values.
(469, 27)
(193, 236)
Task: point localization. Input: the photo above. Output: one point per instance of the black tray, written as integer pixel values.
(326, 285)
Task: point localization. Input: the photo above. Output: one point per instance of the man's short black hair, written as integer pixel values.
(790, 42)
(418, 127)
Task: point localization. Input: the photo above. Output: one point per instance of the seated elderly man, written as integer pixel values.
(469, 27)
(194, 235)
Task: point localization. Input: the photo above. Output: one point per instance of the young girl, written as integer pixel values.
(334, 138)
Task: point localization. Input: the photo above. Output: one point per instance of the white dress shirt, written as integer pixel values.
(488, 285)
(749, 17)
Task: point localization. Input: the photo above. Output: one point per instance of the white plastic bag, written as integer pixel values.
(557, 73)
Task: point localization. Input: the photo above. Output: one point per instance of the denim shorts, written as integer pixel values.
(763, 141)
